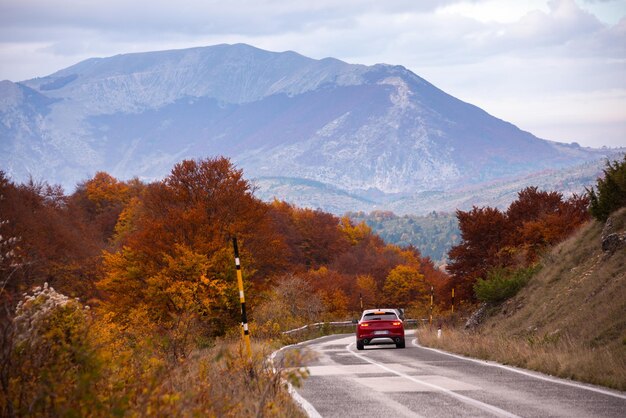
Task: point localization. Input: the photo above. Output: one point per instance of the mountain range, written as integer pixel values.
(319, 133)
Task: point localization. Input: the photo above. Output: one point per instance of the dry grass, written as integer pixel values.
(561, 357)
(569, 321)
(223, 382)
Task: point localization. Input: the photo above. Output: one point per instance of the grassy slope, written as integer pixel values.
(579, 293)
(570, 320)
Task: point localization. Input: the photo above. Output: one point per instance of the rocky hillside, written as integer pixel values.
(579, 295)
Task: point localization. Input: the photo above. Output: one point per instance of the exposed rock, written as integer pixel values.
(613, 242)
(477, 317)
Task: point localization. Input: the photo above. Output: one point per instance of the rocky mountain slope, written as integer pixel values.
(320, 133)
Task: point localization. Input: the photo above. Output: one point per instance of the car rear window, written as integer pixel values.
(383, 316)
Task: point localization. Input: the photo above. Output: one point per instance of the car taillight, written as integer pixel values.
(397, 323)
(364, 325)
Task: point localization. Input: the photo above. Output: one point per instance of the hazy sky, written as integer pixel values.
(556, 68)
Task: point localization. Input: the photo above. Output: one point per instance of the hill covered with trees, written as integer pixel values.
(434, 234)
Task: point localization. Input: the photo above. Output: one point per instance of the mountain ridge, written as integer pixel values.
(365, 130)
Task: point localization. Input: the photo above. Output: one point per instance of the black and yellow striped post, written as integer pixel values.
(453, 301)
(244, 318)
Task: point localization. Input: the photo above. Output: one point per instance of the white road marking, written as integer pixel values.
(394, 407)
(310, 410)
(399, 384)
(481, 405)
(536, 375)
(303, 403)
(338, 369)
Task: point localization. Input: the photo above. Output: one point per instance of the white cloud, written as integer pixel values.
(493, 10)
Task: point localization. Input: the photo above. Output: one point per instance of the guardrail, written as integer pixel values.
(319, 325)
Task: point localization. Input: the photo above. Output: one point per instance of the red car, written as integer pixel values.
(379, 326)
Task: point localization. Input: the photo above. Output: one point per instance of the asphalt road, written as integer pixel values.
(420, 382)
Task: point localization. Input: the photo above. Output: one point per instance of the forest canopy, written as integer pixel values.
(163, 249)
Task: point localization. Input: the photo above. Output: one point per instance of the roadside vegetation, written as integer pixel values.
(121, 298)
(553, 355)
(497, 246)
(69, 362)
(568, 321)
(564, 311)
(502, 283)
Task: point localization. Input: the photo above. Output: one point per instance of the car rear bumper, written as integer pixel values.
(374, 335)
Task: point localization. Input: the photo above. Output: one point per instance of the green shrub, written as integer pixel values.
(611, 193)
(501, 284)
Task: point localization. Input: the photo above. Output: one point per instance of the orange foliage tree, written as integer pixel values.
(369, 293)
(101, 199)
(173, 255)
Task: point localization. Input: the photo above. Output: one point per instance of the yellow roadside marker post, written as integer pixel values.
(453, 301)
(244, 318)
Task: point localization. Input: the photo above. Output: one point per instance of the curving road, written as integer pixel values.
(422, 382)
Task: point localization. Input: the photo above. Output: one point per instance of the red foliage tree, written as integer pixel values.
(484, 234)
(491, 239)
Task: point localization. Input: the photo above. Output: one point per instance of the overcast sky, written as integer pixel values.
(556, 68)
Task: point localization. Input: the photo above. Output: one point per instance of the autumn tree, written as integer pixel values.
(492, 239)
(539, 219)
(336, 290)
(174, 257)
(484, 234)
(370, 256)
(405, 287)
(178, 298)
(436, 278)
(313, 237)
(9, 265)
(368, 291)
(354, 233)
(101, 199)
(291, 302)
(55, 245)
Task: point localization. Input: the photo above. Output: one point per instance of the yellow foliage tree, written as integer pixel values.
(180, 293)
(405, 286)
(104, 189)
(336, 302)
(354, 233)
(368, 291)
